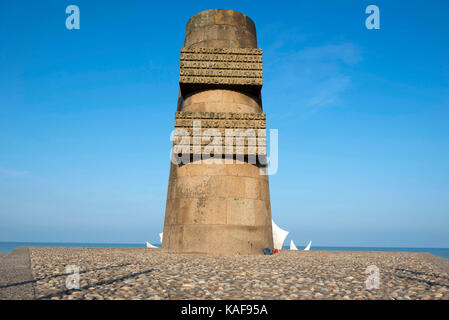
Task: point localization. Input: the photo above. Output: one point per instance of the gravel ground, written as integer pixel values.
(140, 273)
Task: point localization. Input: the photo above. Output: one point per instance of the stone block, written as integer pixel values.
(241, 211)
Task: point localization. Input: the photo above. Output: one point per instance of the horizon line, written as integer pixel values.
(143, 242)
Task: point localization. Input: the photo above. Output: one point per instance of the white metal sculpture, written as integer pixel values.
(279, 236)
(149, 245)
(292, 245)
(308, 246)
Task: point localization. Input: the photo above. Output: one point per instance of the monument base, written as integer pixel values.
(217, 209)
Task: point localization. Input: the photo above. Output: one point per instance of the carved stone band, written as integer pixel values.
(253, 51)
(221, 57)
(221, 66)
(227, 124)
(240, 133)
(219, 115)
(223, 80)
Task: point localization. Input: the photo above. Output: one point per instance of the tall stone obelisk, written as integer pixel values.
(219, 208)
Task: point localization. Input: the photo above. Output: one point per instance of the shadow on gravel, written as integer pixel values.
(428, 282)
(99, 283)
(419, 273)
(60, 275)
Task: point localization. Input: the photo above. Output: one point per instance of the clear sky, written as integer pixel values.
(363, 118)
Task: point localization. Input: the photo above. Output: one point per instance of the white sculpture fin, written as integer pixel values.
(292, 245)
(149, 245)
(279, 236)
(308, 246)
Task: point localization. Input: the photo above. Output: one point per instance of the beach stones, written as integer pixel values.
(140, 273)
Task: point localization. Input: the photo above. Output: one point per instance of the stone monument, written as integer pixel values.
(220, 207)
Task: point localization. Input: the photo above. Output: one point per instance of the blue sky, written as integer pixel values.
(85, 119)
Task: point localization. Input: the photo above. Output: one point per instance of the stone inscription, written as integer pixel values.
(226, 130)
(221, 66)
(222, 120)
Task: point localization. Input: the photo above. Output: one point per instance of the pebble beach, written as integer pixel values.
(141, 273)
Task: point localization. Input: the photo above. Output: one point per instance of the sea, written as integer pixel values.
(9, 246)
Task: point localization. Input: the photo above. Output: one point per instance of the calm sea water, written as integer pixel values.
(9, 246)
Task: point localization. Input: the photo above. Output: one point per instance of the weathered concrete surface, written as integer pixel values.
(16, 280)
(218, 208)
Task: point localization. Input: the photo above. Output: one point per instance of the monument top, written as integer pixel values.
(220, 28)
